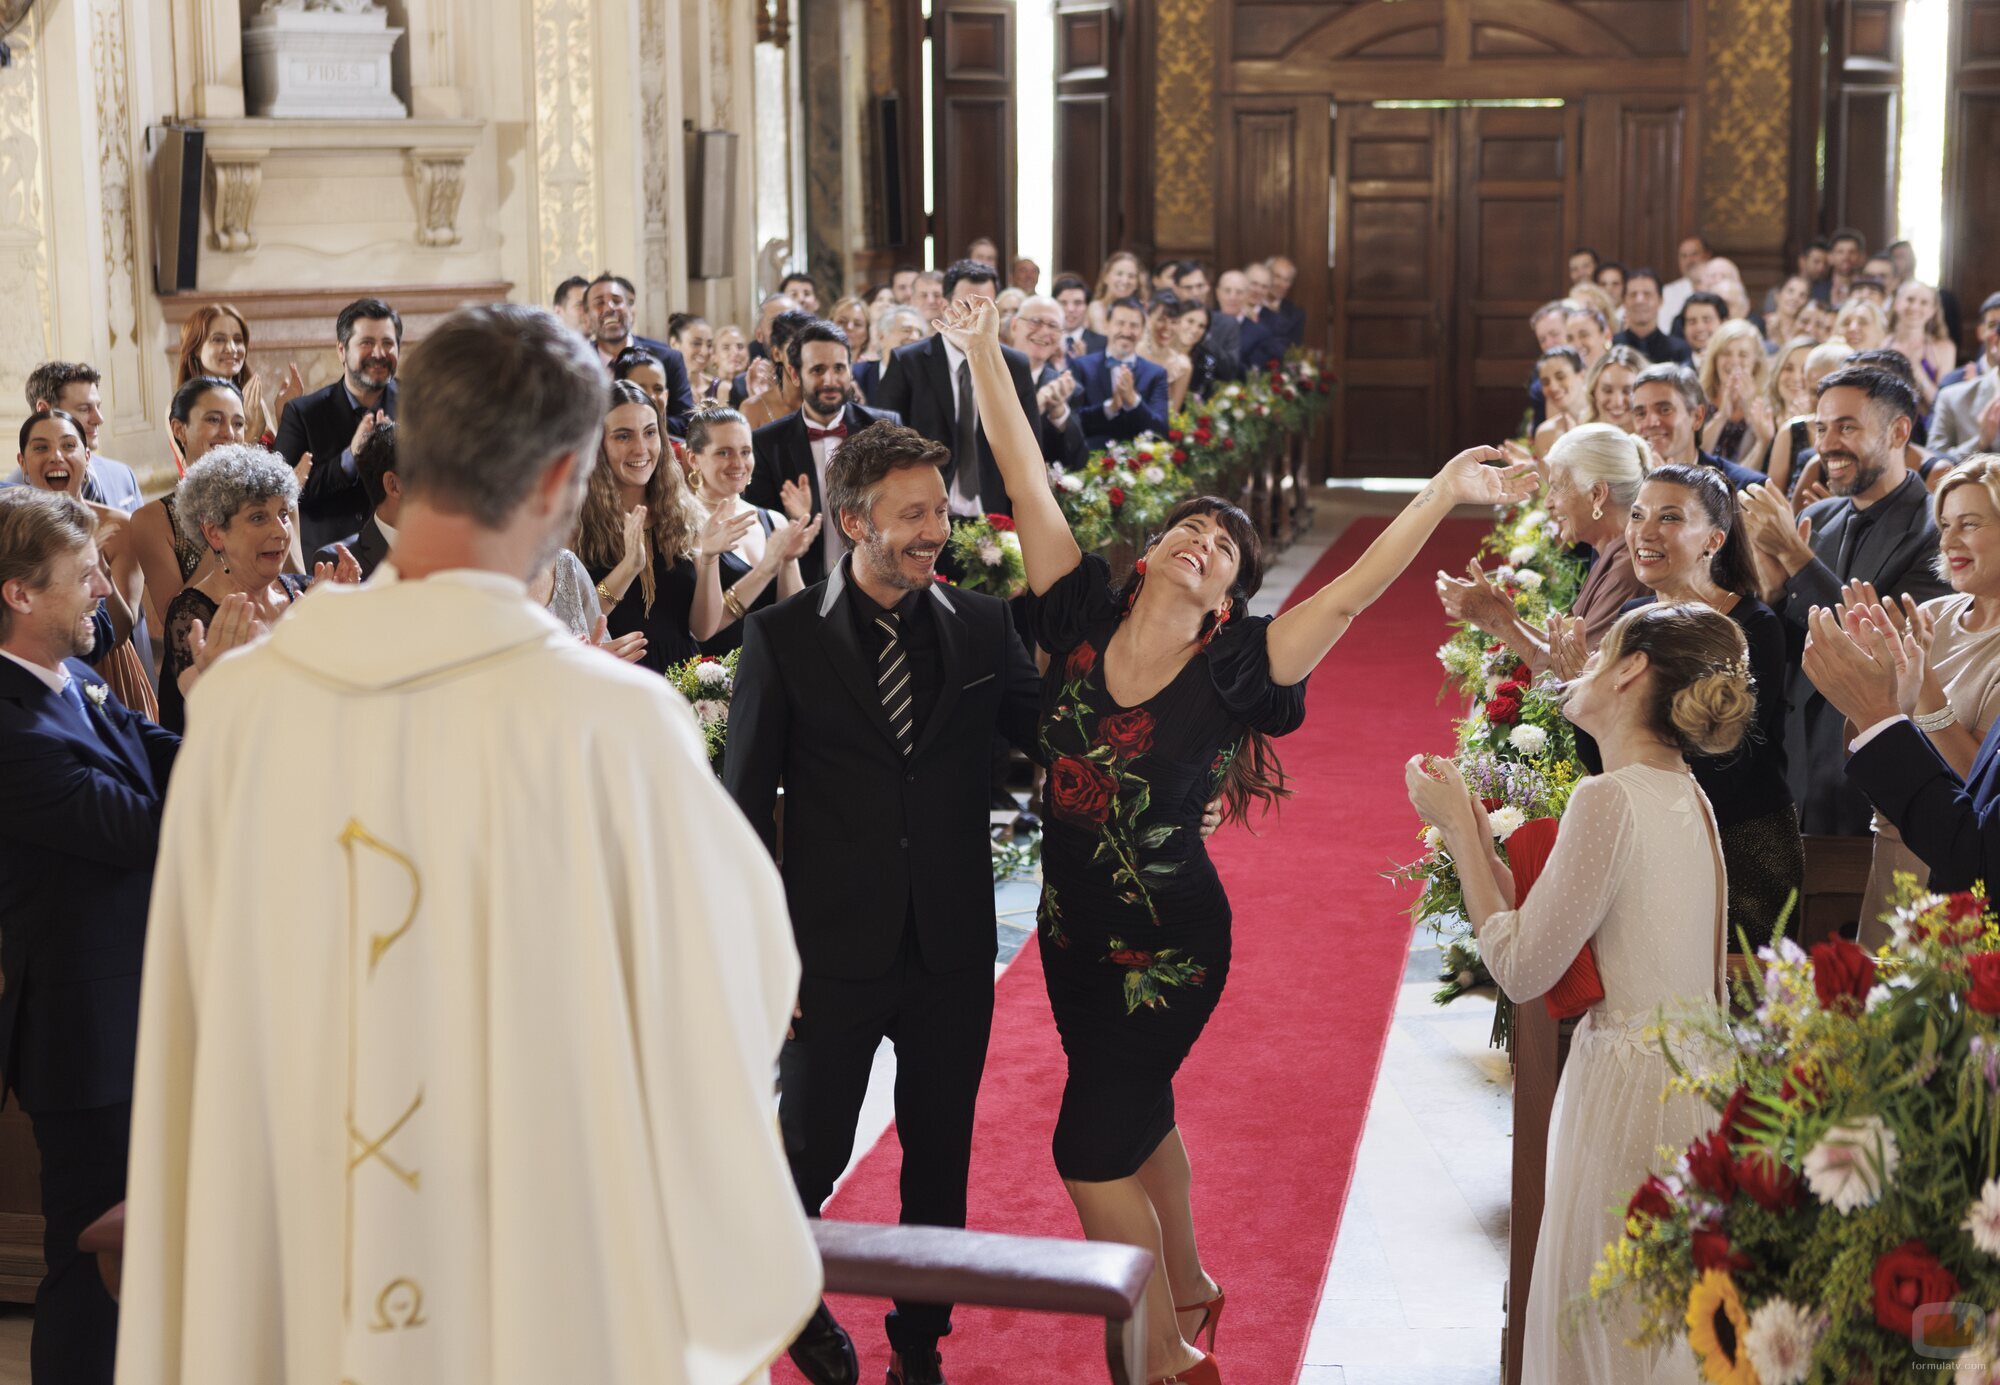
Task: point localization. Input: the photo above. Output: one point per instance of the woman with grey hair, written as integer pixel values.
(239, 499)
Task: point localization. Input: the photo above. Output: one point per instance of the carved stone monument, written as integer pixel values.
(320, 59)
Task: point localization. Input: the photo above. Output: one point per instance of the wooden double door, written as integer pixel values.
(1453, 222)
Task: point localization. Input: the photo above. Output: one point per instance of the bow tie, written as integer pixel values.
(839, 430)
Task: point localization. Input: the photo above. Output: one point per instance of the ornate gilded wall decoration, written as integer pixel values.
(1184, 124)
(722, 65)
(1747, 123)
(565, 128)
(114, 159)
(24, 255)
(657, 230)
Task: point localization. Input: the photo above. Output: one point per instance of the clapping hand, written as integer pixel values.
(304, 469)
(235, 624)
(632, 533)
(290, 386)
(1861, 665)
(1053, 398)
(760, 376)
(344, 571)
(1569, 649)
(1474, 600)
(1773, 528)
(1124, 391)
(364, 429)
(797, 498)
(630, 647)
(724, 530)
(792, 542)
(1468, 480)
(1438, 793)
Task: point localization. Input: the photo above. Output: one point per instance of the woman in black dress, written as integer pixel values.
(763, 568)
(1158, 696)
(655, 561)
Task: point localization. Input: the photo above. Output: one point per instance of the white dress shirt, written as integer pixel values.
(55, 679)
(832, 542)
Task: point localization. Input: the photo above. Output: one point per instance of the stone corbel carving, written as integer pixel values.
(235, 178)
(440, 179)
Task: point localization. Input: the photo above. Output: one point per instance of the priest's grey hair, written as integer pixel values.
(490, 400)
(229, 477)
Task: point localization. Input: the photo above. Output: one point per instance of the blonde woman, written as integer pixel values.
(1820, 362)
(1862, 325)
(1607, 393)
(1122, 277)
(1917, 330)
(732, 358)
(1735, 374)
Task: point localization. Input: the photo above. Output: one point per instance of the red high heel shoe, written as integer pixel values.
(1211, 1312)
(1203, 1372)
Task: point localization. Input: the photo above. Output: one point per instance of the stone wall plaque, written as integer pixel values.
(320, 59)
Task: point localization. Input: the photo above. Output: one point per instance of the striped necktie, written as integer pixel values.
(892, 680)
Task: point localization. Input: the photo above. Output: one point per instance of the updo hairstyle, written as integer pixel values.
(1702, 696)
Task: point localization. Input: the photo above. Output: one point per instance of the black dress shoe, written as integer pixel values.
(824, 1353)
(916, 1367)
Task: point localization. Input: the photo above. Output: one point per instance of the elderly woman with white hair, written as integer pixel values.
(1593, 476)
(239, 498)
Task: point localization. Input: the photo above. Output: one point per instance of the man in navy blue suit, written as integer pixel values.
(1119, 393)
(82, 783)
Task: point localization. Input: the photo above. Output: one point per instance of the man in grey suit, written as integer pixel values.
(1875, 528)
(72, 387)
(1966, 416)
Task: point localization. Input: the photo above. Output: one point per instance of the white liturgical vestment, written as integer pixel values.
(464, 984)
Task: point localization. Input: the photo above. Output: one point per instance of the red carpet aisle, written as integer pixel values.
(1273, 1099)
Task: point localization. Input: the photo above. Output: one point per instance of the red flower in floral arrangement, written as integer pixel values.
(1178, 456)
(1907, 1278)
(1129, 958)
(1229, 444)
(708, 659)
(1116, 495)
(1842, 974)
(1503, 711)
(1082, 660)
(1797, 1085)
(1712, 1252)
(1513, 688)
(1108, 464)
(1738, 1120)
(1652, 1199)
(1173, 435)
(1711, 1167)
(1984, 968)
(1767, 1181)
(1080, 790)
(1522, 674)
(1128, 733)
(1000, 522)
(941, 578)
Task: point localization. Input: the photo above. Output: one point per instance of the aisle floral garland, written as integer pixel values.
(1842, 1223)
(1514, 747)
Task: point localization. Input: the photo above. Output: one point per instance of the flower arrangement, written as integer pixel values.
(707, 682)
(988, 553)
(1842, 1222)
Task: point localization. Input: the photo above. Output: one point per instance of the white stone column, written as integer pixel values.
(435, 90)
(216, 31)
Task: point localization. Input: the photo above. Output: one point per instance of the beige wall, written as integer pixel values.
(554, 126)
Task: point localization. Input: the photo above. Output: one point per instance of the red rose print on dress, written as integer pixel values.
(1128, 733)
(1081, 791)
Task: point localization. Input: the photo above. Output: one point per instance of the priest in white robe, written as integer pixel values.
(465, 979)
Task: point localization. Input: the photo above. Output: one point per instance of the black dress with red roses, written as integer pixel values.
(1134, 921)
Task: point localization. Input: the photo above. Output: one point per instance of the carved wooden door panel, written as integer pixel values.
(1972, 153)
(972, 61)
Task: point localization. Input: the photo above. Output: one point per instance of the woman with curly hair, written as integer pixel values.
(655, 565)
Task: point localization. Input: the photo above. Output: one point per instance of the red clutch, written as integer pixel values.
(1528, 851)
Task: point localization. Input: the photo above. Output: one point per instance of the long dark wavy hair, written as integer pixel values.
(1254, 778)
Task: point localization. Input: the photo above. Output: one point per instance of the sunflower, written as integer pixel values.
(1717, 1325)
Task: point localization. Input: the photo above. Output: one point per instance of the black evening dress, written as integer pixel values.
(1134, 923)
(669, 638)
(735, 569)
(191, 605)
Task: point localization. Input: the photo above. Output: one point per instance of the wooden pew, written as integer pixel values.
(1835, 888)
(20, 1209)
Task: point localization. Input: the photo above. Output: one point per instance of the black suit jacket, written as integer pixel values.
(873, 841)
(781, 453)
(918, 386)
(80, 816)
(1954, 827)
(369, 548)
(332, 504)
(680, 394)
(1069, 446)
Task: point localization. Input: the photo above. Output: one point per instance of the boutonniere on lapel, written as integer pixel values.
(97, 692)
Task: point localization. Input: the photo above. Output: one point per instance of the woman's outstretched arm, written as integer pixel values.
(1047, 546)
(1301, 637)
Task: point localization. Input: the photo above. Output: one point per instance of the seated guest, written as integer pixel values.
(1008, 301)
(1862, 325)
(1037, 334)
(1288, 319)
(1930, 467)
(1024, 274)
(1966, 418)
(1120, 394)
(850, 315)
(215, 342)
(732, 358)
(1190, 282)
(894, 330)
(928, 385)
(763, 568)
(1074, 295)
(72, 387)
(1594, 474)
(82, 785)
(1816, 321)
(1586, 331)
(377, 536)
(654, 562)
(645, 370)
(1120, 278)
(1866, 288)
(695, 340)
(612, 301)
(1875, 528)
(1701, 317)
(1610, 277)
(1781, 314)
(1161, 346)
(1192, 324)
(1642, 322)
(1560, 374)
(167, 548)
(927, 296)
(1788, 392)
(1237, 334)
(1607, 390)
(239, 499)
(1583, 263)
(1789, 471)
(1547, 323)
(1668, 407)
(330, 423)
(1693, 252)
(790, 457)
(780, 396)
(1734, 375)
(800, 288)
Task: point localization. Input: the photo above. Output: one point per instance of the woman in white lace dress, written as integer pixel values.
(1636, 873)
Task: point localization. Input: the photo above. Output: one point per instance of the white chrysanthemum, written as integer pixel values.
(1154, 475)
(1529, 579)
(711, 711)
(1506, 819)
(1780, 1342)
(1523, 553)
(1852, 1164)
(988, 552)
(1982, 1222)
(1307, 370)
(1070, 483)
(1529, 740)
(1433, 839)
(710, 675)
(1503, 573)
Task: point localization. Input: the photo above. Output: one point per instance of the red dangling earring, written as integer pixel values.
(1138, 581)
(1216, 628)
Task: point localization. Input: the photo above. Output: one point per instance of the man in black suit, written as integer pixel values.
(82, 783)
(610, 301)
(873, 697)
(1036, 332)
(1288, 319)
(1074, 295)
(377, 461)
(801, 445)
(930, 388)
(331, 424)
(1642, 331)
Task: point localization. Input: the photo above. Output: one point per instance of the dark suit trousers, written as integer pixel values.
(940, 1023)
(83, 1176)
